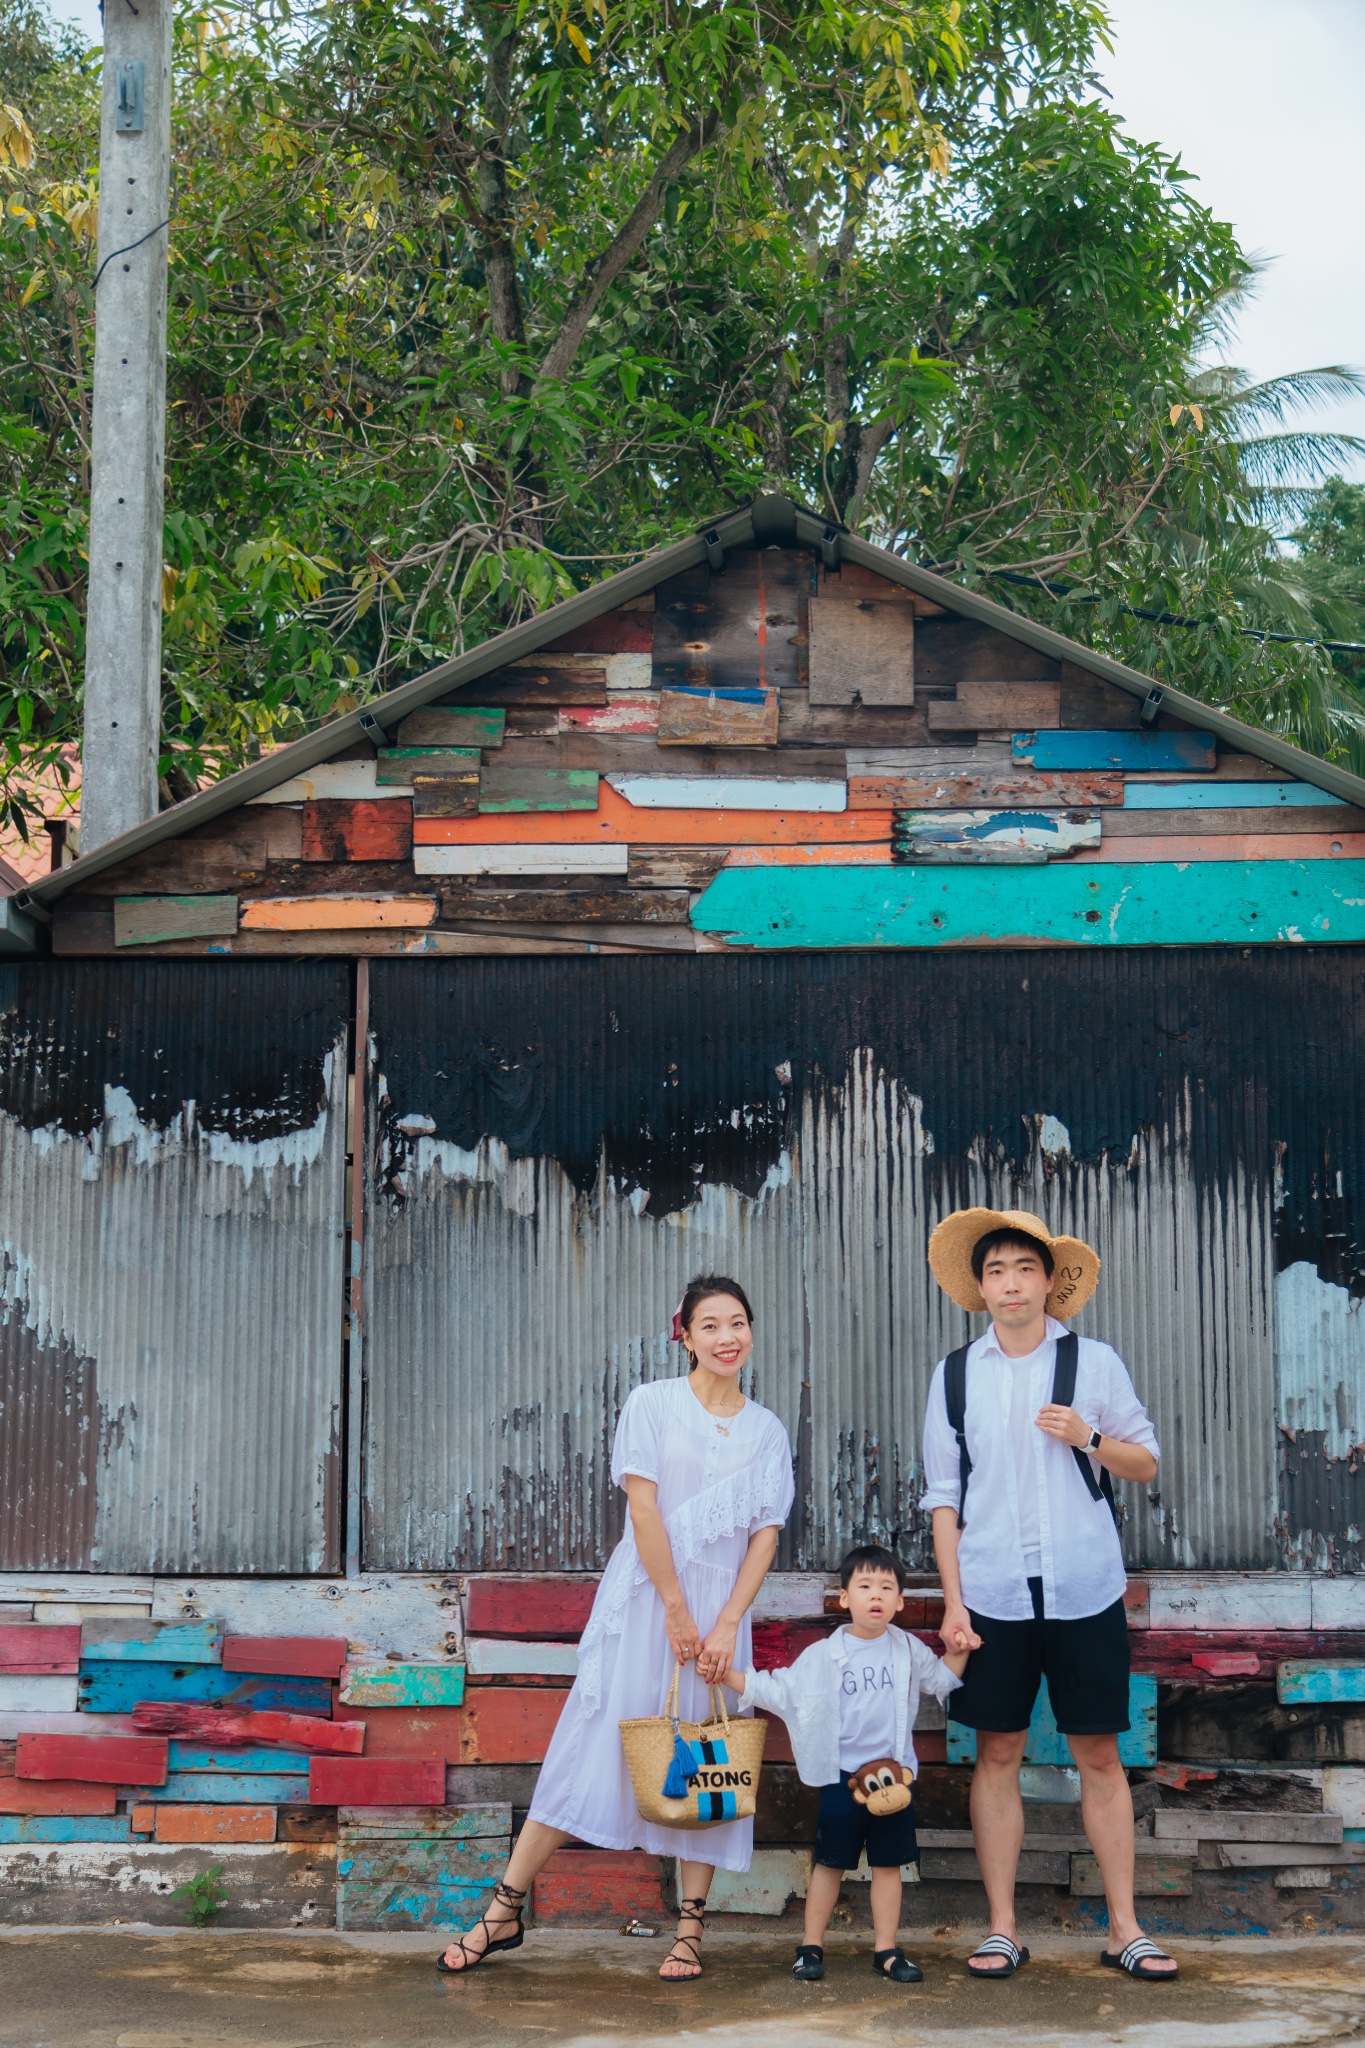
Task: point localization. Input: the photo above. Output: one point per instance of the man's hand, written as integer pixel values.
(956, 1629)
(1066, 1424)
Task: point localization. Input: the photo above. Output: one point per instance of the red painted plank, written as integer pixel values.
(408, 1731)
(508, 1724)
(240, 1730)
(529, 1610)
(377, 1781)
(290, 1656)
(1190, 1654)
(32, 1649)
(360, 828)
(613, 633)
(215, 1823)
(777, 1749)
(55, 1795)
(102, 1759)
(599, 1888)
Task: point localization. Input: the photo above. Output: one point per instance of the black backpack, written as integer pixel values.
(1063, 1391)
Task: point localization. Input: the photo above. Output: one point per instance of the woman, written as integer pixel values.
(708, 1478)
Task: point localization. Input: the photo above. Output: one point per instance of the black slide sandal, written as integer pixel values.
(997, 1945)
(901, 1970)
(809, 1966)
(1131, 1959)
(505, 1895)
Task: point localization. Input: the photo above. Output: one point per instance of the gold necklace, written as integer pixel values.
(723, 1428)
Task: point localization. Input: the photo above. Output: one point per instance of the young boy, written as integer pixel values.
(849, 1703)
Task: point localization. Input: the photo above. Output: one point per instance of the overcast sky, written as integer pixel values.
(1265, 101)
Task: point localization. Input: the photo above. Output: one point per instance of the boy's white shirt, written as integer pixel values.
(807, 1697)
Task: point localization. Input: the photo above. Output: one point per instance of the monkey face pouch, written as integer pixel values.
(883, 1786)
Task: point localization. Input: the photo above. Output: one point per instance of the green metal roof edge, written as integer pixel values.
(779, 520)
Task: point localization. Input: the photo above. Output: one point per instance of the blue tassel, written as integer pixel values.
(679, 1769)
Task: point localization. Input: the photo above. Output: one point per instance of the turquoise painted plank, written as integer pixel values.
(198, 1756)
(1222, 796)
(1305, 1684)
(178, 1642)
(1134, 751)
(64, 1827)
(223, 1788)
(1046, 1745)
(741, 695)
(1195, 903)
(390, 1887)
(402, 1685)
(117, 1688)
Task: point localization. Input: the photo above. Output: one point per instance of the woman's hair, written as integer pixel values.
(704, 1284)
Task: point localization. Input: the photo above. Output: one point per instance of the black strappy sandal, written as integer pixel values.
(896, 1964)
(503, 1895)
(690, 1909)
(810, 1963)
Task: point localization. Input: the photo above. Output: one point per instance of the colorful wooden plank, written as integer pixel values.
(408, 765)
(674, 867)
(1085, 903)
(1125, 751)
(359, 830)
(228, 1728)
(13, 1611)
(536, 682)
(532, 1610)
(1238, 846)
(619, 715)
(142, 1818)
(453, 725)
(119, 1688)
(377, 1781)
(409, 1731)
(599, 1888)
(565, 906)
(288, 1656)
(330, 782)
(226, 1788)
(459, 1823)
(1046, 1745)
(616, 632)
(616, 822)
(872, 853)
(965, 788)
(207, 1756)
(1197, 796)
(503, 790)
(151, 1642)
(959, 1866)
(1154, 1877)
(1288, 821)
(1000, 834)
(51, 1827)
(55, 1795)
(446, 796)
(1190, 1825)
(1228, 1600)
(729, 793)
(999, 707)
(774, 1878)
(93, 1759)
(1331, 1856)
(1320, 1682)
(402, 1685)
(337, 913)
(1343, 1792)
(717, 718)
(513, 857)
(493, 1656)
(862, 652)
(215, 1824)
(151, 920)
(388, 1887)
(30, 1650)
(1339, 1602)
(508, 1724)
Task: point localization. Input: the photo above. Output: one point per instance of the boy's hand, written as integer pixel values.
(956, 1660)
(734, 1682)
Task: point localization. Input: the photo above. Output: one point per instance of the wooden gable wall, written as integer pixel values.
(770, 754)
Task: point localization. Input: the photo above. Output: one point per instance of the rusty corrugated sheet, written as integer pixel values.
(172, 1152)
(553, 1145)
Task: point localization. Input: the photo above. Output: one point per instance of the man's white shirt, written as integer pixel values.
(1082, 1563)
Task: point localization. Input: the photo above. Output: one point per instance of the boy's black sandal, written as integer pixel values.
(505, 1895)
(896, 1964)
(690, 1909)
(810, 1963)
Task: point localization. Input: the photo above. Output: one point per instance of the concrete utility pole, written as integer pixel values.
(128, 437)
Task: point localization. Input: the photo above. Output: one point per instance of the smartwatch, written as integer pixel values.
(1096, 1439)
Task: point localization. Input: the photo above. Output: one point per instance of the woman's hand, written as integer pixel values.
(718, 1652)
(683, 1634)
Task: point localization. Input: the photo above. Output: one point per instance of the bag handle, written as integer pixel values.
(716, 1697)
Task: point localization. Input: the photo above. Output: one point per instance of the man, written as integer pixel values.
(1028, 1550)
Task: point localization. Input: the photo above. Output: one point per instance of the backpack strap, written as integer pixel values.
(955, 1397)
(1063, 1394)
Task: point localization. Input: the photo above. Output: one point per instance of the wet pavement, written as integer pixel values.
(145, 1988)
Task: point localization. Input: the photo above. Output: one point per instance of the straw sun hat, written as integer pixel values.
(1075, 1272)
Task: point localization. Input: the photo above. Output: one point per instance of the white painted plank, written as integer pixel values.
(624, 671)
(42, 1695)
(1053, 831)
(92, 1588)
(792, 1596)
(420, 1617)
(489, 1657)
(1339, 1603)
(1051, 1784)
(1263, 1855)
(332, 779)
(520, 859)
(1189, 1825)
(774, 1876)
(1231, 1600)
(69, 1613)
(1343, 1792)
(729, 793)
(993, 754)
(14, 1723)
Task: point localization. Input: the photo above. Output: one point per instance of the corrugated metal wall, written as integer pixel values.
(172, 1179)
(554, 1145)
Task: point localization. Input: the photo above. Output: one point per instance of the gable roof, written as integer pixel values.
(764, 522)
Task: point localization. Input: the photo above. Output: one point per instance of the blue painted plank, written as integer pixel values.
(199, 1756)
(1222, 796)
(1046, 1745)
(1308, 1684)
(223, 1788)
(177, 1642)
(1136, 752)
(64, 1827)
(392, 1886)
(402, 1685)
(1160, 903)
(740, 695)
(117, 1688)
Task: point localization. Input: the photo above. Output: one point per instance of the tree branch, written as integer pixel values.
(495, 198)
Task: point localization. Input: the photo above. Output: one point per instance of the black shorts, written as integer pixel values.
(1084, 1662)
(844, 1829)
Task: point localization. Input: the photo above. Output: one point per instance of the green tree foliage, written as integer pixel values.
(473, 300)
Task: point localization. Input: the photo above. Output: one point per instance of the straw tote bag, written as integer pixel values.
(691, 1774)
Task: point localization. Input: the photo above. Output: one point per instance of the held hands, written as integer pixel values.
(717, 1653)
(956, 1631)
(1065, 1424)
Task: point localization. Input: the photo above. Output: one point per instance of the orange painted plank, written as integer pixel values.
(55, 1795)
(508, 1724)
(357, 829)
(599, 1888)
(617, 822)
(142, 1820)
(1236, 846)
(215, 1824)
(335, 913)
(408, 1731)
(876, 853)
(618, 714)
(291, 1656)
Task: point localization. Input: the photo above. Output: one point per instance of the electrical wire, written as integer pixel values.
(127, 251)
(1137, 611)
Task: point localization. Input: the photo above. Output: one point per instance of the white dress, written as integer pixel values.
(714, 1492)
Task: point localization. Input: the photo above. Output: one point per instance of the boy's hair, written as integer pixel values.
(871, 1557)
(992, 1241)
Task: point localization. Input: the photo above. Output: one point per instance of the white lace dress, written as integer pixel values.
(714, 1492)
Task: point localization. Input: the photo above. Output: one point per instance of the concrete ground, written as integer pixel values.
(157, 1988)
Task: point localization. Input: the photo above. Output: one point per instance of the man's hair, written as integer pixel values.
(871, 1557)
(993, 1239)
